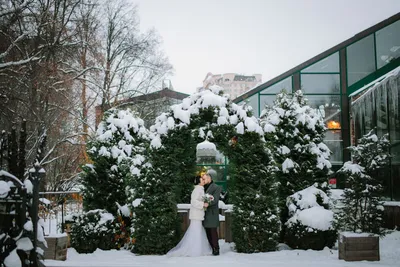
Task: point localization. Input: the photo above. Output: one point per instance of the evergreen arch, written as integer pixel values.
(174, 136)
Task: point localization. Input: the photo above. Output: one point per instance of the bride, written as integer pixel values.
(194, 243)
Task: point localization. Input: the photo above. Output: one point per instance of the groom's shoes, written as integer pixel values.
(215, 251)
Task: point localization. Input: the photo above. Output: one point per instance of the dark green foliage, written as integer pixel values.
(363, 207)
(155, 220)
(178, 157)
(90, 231)
(115, 151)
(298, 236)
(295, 133)
(103, 187)
(255, 221)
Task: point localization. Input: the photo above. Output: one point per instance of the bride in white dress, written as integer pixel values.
(194, 243)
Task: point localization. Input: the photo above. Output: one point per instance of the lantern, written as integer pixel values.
(206, 152)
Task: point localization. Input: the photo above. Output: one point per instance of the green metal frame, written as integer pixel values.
(226, 167)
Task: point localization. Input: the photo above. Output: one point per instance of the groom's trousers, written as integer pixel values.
(212, 236)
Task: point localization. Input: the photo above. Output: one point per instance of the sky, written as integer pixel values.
(252, 36)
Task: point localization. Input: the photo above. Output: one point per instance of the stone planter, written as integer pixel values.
(56, 248)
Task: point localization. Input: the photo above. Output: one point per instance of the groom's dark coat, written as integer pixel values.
(211, 219)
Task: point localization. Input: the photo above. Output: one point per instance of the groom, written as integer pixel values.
(211, 219)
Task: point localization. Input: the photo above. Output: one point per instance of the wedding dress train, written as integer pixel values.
(194, 243)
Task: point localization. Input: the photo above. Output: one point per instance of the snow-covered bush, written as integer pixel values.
(311, 224)
(116, 152)
(363, 207)
(95, 229)
(295, 133)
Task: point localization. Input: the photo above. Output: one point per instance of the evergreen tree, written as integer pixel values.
(295, 133)
(116, 151)
(155, 211)
(363, 209)
(255, 220)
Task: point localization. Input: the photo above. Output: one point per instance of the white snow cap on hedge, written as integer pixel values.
(304, 208)
(123, 121)
(122, 125)
(225, 112)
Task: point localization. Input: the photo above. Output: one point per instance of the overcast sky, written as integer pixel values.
(253, 36)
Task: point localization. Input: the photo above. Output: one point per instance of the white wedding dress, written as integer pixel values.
(194, 243)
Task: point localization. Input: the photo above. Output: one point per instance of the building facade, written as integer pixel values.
(148, 106)
(234, 84)
(329, 79)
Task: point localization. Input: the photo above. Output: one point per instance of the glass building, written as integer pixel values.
(329, 80)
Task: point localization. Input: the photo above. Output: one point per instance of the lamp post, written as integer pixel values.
(35, 175)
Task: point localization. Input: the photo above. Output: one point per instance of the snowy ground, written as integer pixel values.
(389, 251)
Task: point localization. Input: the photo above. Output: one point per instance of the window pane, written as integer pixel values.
(333, 139)
(394, 110)
(278, 87)
(320, 83)
(388, 44)
(329, 107)
(328, 64)
(253, 102)
(267, 100)
(381, 111)
(360, 59)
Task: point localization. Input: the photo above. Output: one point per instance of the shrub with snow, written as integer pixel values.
(311, 225)
(95, 229)
(363, 207)
(295, 133)
(117, 151)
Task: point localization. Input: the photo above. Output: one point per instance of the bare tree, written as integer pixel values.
(60, 58)
(133, 63)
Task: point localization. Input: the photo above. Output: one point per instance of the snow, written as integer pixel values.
(136, 202)
(287, 164)
(182, 114)
(374, 84)
(183, 206)
(389, 252)
(284, 150)
(24, 244)
(125, 211)
(354, 168)
(45, 201)
(106, 217)
(315, 217)
(206, 145)
(307, 198)
(391, 203)
(352, 234)
(9, 175)
(29, 186)
(12, 260)
(4, 189)
(304, 208)
(28, 226)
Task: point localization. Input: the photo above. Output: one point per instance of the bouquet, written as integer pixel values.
(207, 198)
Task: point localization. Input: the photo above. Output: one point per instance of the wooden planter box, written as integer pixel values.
(358, 247)
(391, 215)
(56, 248)
(228, 227)
(184, 219)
